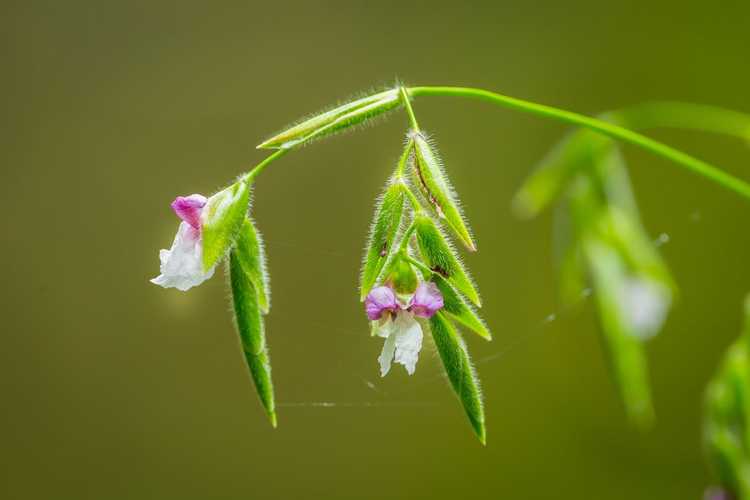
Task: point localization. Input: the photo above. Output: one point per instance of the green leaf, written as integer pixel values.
(441, 257)
(431, 178)
(613, 175)
(727, 418)
(252, 334)
(383, 230)
(624, 347)
(636, 246)
(553, 174)
(251, 256)
(460, 372)
(221, 220)
(457, 308)
(335, 120)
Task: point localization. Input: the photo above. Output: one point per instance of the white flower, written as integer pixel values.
(403, 341)
(644, 305)
(397, 324)
(182, 265)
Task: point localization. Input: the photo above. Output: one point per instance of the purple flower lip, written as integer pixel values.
(426, 301)
(189, 208)
(379, 301)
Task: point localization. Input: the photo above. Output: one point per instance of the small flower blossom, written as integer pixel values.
(644, 304)
(397, 323)
(182, 265)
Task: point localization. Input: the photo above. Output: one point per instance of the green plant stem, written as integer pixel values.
(250, 176)
(403, 91)
(405, 239)
(686, 161)
(404, 159)
(419, 265)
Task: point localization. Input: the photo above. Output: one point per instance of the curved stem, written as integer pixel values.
(403, 92)
(250, 176)
(406, 237)
(614, 131)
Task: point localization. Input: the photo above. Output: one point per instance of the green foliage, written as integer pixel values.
(624, 348)
(221, 220)
(554, 173)
(457, 308)
(441, 258)
(400, 275)
(249, 322)
(430, 177)
(335, 120)
(460, 371)
(601, 236)
(251, 256)
(383, 232)
(727, 416)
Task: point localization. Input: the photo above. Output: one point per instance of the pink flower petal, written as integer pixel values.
(380, 300)
(189, 208)
(426, 301)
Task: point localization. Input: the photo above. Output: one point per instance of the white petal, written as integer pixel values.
(386, 356)
(182, 265)
(408, 335)
(382, 327)
(644, 304)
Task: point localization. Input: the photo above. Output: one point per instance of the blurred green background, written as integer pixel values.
(115, 388)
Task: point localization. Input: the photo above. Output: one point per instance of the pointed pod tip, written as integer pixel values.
(272, 418)
(482, 435)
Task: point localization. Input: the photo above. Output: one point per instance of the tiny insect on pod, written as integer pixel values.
(441, 258)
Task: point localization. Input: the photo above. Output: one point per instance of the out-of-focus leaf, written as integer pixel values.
(727, 417)
(252, 334)
(221, 220)
(572, 275)
(460, 371)
(334, 120)
(636, 246)
(440, 256)
(612, 174)
(554, 173)
(251, 256)
(383, 232)
(624, 347)
(433, 182)
(457, 308)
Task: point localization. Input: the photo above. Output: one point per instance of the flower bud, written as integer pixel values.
(401, 276)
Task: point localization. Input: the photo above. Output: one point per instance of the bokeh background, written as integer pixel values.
(115, 388)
